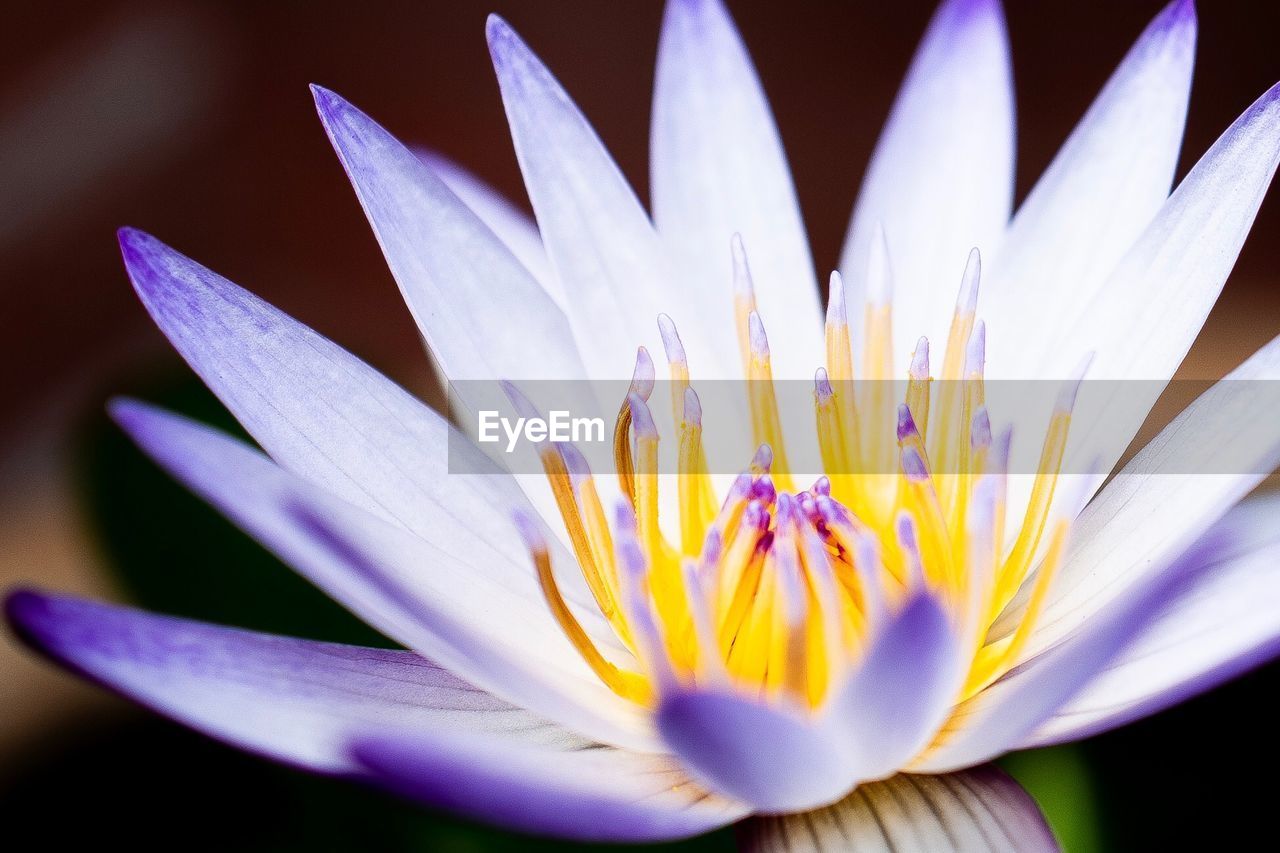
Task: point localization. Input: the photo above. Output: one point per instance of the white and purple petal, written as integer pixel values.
(774, 758)
(320, 411)
(1212, 631)
(494, 629)
(1004, 714)
(477, 305)
(588, 794)
(391, 717)
(292, 700)
(902, 690)
(1206, 460)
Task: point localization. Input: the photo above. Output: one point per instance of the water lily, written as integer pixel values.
(832, 665)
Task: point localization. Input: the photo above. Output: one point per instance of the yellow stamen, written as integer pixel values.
(627, 684)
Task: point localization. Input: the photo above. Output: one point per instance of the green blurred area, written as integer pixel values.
(144, 779)
(1059, 778)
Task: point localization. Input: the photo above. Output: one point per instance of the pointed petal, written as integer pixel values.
(291, 700)
(1101, 191)
(981, 810)
(601, 794)
(601, 244)
(718, 168)
(1143, 320)
(477, 306)
(322, 413)
(765, 756)
(941, 178)
(481, 616)
(1216, 629)
(902, 690)
(515, 228)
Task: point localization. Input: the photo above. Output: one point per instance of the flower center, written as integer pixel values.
(781, 591)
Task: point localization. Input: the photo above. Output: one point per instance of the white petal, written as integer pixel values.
(718, 168)
(389, 715)
(1000, 717)
(1132, 548)
(1198, 467)
(515, 228)
(1095, 199)
(941, 178)
(293, 700)
(1142, 321)
(1219, 627)
(602, 246)
(322, 413)
(477, 306)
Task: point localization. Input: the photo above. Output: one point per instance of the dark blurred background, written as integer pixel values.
(193, 121)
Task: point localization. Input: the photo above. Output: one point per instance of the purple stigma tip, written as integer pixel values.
(740, 488)
(641, 418)
(822, 385)
(644, 375)
(967, 300)
(920, 360)
(763, 460)
(624, 519)
(976, 351)
(822, 486)
(906, 423)
(711, 547)
(980, 430)
(692, 407)
(759, 341)
(671, 342)
(907, 534)
(574, 462)
(913, 465)
(764, 490)
(524, 408)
